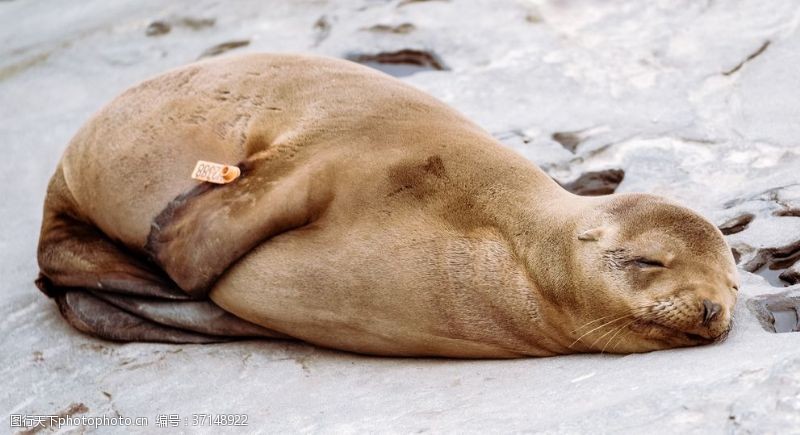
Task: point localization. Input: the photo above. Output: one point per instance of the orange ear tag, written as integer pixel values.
(215, 172)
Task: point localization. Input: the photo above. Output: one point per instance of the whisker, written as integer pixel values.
(635, 312)
(589, 323)
(614, 347)
(620, 329)
(609, 331)
(595, 329)
(616, 331)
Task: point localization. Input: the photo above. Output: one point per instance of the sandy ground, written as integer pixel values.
(695, 100)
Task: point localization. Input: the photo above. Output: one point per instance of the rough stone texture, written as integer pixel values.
(695, 100)
(792, 274)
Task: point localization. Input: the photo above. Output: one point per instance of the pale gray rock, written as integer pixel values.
(678, 94)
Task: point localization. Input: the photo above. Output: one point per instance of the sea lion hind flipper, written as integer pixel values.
(105, 292)
(75, 254)
(91, 315)
(202, 317)
(121, 317)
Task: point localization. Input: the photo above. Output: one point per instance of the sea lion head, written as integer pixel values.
(655, 274)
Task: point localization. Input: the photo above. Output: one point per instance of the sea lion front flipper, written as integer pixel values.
(202, 232)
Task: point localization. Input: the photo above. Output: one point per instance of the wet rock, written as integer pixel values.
(158, 28)
(737, 224)
(778, 312)
(533, 18)
(385, 28)
(513, 135)
(322, 28)
(788, 212)
(402, 62)
(792, 274)
(774, 258)
(225, 46)
(196, 23)
(596, 182)
(162, 27)
(736, 255)
(405, 56)
(569, 140)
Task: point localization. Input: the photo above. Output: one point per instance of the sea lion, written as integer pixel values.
(368, 217)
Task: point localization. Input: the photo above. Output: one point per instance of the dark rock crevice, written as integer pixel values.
(568, 139)
(785, 259)
(750, 57)
(322, 29)
(401, 29)
(775, 258)
(737, 224)
(401, 62)
(406, 56)
(788, 212)
(162, 27)
(222, 48)
(596, 183)
(792, 274)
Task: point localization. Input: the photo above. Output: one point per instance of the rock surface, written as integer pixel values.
(695, 100)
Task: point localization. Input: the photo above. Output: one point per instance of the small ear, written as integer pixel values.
(592, 235)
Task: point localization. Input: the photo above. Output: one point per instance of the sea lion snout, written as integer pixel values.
(713, 321)
(710, 311)
(696, 315)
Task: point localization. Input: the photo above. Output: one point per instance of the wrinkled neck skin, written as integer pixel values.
(539, 221)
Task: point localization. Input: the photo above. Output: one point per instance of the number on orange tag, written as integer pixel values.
(215, 172)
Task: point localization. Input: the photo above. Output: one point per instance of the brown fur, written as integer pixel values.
(371, 217)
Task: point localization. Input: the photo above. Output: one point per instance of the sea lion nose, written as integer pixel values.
(710, 311)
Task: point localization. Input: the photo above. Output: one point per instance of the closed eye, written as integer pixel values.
(647, 263)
